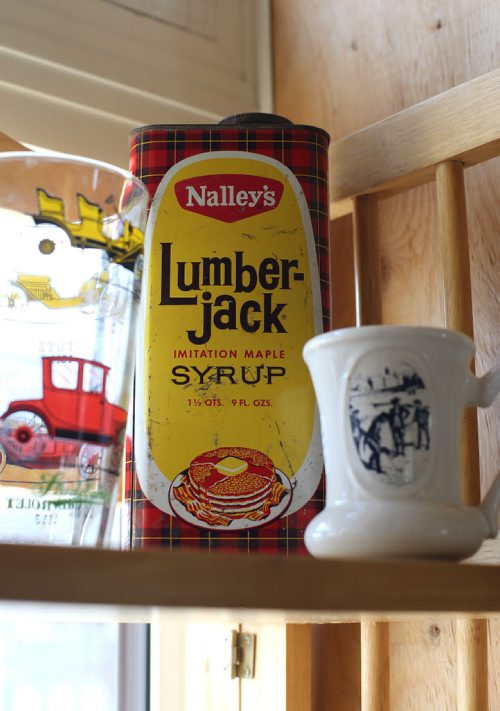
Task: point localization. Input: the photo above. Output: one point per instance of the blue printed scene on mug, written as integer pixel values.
(390, 415)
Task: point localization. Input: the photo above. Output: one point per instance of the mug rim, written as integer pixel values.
(356, 334)
(60, 157)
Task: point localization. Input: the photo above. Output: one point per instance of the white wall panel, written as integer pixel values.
(77, 76)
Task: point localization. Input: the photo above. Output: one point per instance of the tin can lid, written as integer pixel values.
(255, 119)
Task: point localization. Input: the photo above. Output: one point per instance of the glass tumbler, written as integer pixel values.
(71, 240)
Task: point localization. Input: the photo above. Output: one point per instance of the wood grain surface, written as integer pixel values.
(471, 635)
(336, 654)
(472, 665)
(347, 64)
(299, 677)
(343, 66)
(367, 271)
(291, 589)
(401, 151)
(375, 652)
(375, 666)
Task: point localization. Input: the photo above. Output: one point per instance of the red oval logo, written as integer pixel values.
(228, 197)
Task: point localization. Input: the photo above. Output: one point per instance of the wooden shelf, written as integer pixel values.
(294, 589)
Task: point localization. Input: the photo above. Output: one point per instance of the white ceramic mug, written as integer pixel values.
(390, 401)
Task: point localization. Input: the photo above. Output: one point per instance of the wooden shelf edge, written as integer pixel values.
(300, 587)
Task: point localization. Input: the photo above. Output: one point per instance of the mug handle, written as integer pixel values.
(483, 391)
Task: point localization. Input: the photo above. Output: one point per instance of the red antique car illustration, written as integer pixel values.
(73, 407)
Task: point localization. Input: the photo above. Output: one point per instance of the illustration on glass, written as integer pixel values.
(67, 420)
(73, 407)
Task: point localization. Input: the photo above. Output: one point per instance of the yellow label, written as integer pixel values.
(231, 296)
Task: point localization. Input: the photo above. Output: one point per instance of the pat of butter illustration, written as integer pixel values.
(231, 466)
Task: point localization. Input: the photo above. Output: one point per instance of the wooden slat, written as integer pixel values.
(299, 667)
(375, 666)
(342, 282)
(375, 656)
(472, 665)
(472, 635)
(336, 664)
(454, 238)
(335, 655)
(453, 235)
(367, 261)
(401, 151)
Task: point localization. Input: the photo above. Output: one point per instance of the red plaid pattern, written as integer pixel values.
(304, 150)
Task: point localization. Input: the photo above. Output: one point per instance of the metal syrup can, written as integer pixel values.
(227, 450)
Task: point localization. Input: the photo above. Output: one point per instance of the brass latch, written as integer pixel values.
(242, 655)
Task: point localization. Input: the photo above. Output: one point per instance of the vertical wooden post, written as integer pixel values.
(335, 648)
(298, 667)
(375, 663)
(336, 665)
(472, 665)
(472, 635)
(367, 261)
(452, 216)
(375, 658)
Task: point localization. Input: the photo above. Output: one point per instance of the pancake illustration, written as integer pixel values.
(230, 483)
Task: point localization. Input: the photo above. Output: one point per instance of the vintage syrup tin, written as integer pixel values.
(227, 450)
